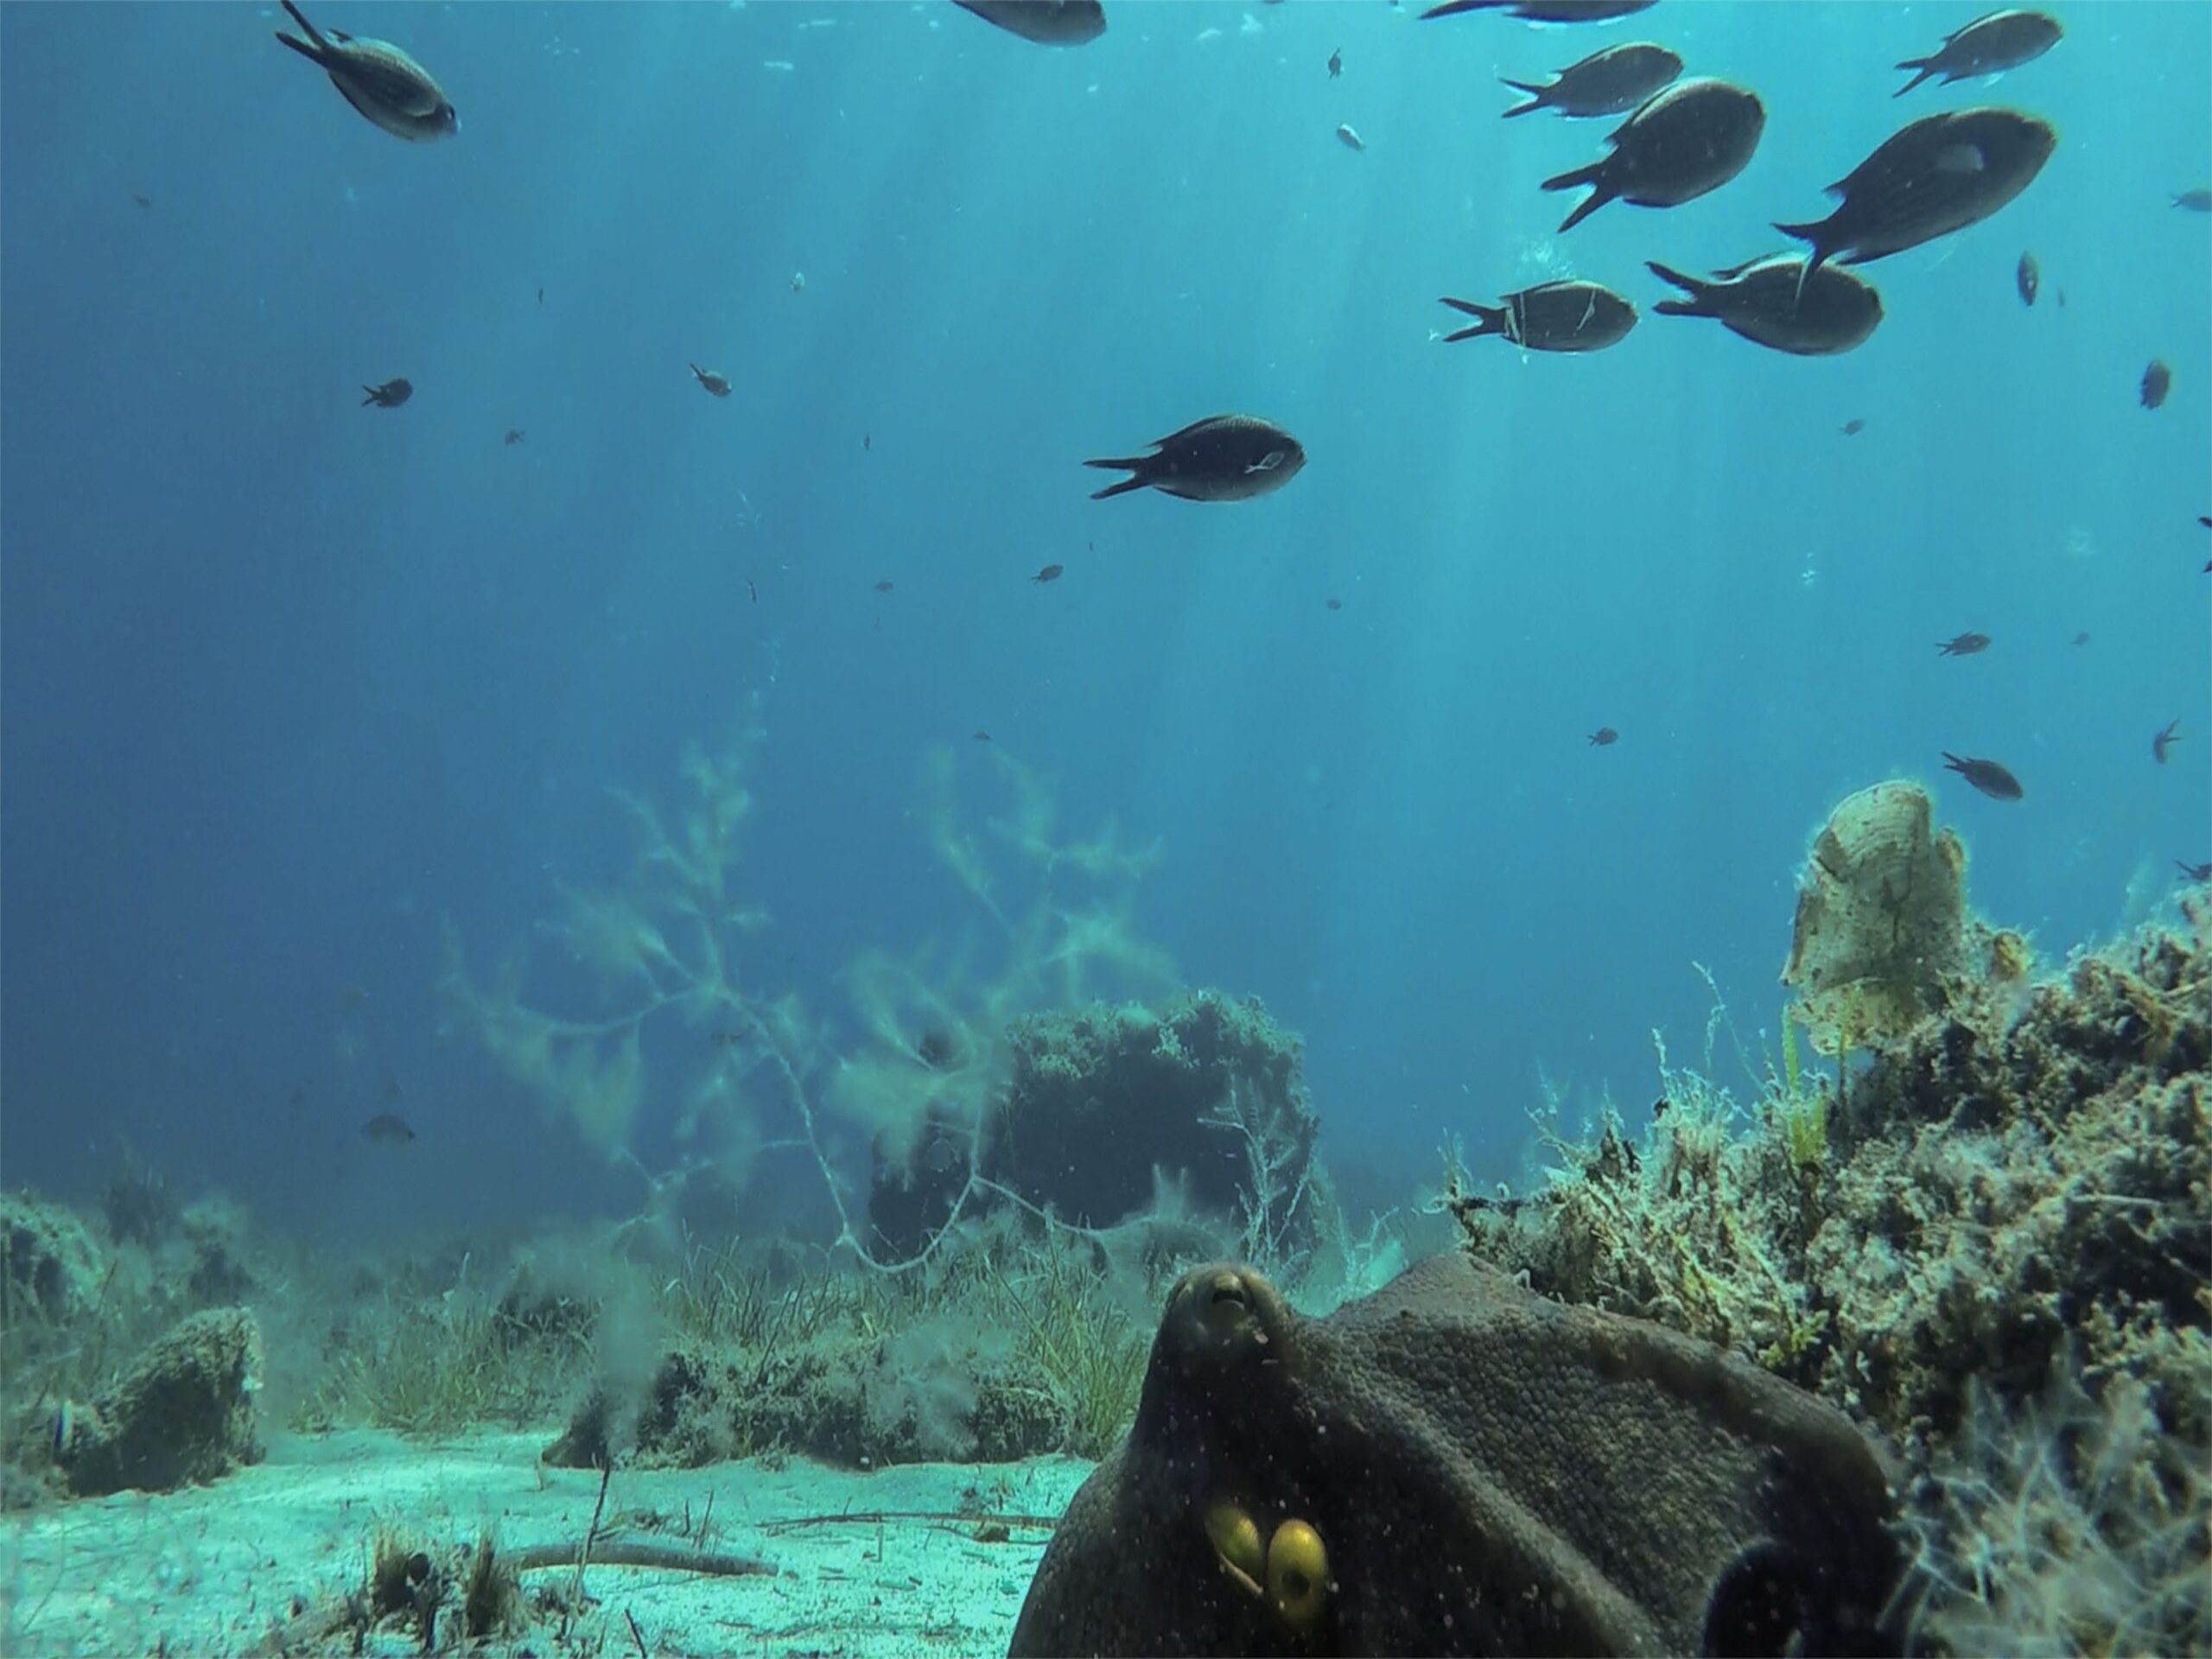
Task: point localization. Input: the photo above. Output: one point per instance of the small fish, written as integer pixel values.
(1544, 11)
(798, 282)
(387, 1129)
(1987, 46)
(729, 1037)
(1350, 139)
(1561, 317)
(541, 296)
(1854, 427)
(1336, 64)
(2195, 201)
(717, 385)
(390, 395)
(751, 589)
(1050, 573)
(1220, 458)
(514, 436)
(2168, 736)
(2157, 381)
(2027, 276)
(386, 86)
(867, 440)
(1991, 778)
(1336, 604)
(2082, 637)
(883, 587)
(1777, 303)
(1965, 645)
(1610, 82)
(2195, 872)
(1604, 738)
(981, 736)
(1685, 142)
(144, 201)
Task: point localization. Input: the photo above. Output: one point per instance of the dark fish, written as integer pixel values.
(387, 1129)
(2195, 201)
(2205, 519)
(378, 79)
(2157, 381)
(390, 395)
(1610, 82)
(1987, 46)
(1220, 458)
(1336, 63)
(1773, 302)
(752, 590)
(1545, 11)
(1050, 573)
(717, 384)
(1690, 139)
(1335, 604)
(981, 736)
(2168, 736)
(1992, 779)
(514, 436)
(2195, 872)
(883, 587)
(1965, 645)
(1046, 23)
(2082, 637)
(2027, 276)
(1854, 427)
(541, 296)
(867, 440)
(1941, 174)
(144, 201)
(1563, 316)
(1604, 737)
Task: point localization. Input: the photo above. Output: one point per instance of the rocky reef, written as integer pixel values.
(1987, 1235)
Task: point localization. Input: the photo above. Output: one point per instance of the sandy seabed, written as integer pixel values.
(217, 1569)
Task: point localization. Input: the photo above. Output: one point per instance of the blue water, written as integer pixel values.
(287, 681)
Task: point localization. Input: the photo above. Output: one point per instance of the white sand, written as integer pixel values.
(212, 1569)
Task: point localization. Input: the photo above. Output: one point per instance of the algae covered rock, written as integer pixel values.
(1881, 926)
(184, 1412)
(48, 1261)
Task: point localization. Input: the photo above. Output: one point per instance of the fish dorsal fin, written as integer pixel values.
(1734, 271)
(1185, 432)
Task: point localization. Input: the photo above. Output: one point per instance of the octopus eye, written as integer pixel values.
(1298, 1573)
(1236, 1540)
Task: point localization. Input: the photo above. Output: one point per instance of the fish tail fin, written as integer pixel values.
(314, 45)
(1489, 319)
(1536, 96)
(1133, 464)
(1951, 762)
(1601, 192)
(309, 52)
(1928, 72)
(371, 397)
(1694, 306)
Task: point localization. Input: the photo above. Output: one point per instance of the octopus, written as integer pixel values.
(1458, 1466)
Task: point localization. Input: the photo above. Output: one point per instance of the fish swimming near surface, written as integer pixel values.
(885, 585)
(1964, 645)
(1336, 64)
(2027, 276)
(1050, 573)
(2194, 201)
(1350, 139)
(378, 79)
(1220, 458)
(2169, 734)
(1990, 45)
(1604, 738)
(387, 1129)
(1545, 11)
(1992, 779)
(1680, 145)
(1043, 22)
(2157, 381)
(717, 385)
(1771, 302)
(1610, 82)
(2082, 637)
(1563, 316)
(1333, 603)
(1854, 427)
(514, 436)
(1940, 174)
(390, 395)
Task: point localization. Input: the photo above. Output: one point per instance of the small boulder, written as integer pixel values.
(184, 1412)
